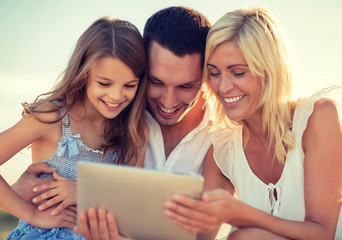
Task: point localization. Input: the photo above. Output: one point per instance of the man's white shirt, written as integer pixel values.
(188, 155)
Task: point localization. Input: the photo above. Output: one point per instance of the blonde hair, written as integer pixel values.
(105, 37)
(255, 32)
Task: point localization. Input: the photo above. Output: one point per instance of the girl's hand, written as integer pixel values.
(200, 216)
(98, 225)
(62, 191)
(44, 219)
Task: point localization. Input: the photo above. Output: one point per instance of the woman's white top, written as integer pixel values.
(289, 204)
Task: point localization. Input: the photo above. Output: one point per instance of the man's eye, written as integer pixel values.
(154, 82)
(186, 87)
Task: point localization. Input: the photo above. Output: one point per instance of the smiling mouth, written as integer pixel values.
(112, 105)
(234, 99)
(166, 110)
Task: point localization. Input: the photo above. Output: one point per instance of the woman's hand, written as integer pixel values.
(98, 225)
(200, 216)
(62, 190)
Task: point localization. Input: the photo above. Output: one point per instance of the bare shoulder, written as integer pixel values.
(323, 124)
(47, 112)
(324, 110)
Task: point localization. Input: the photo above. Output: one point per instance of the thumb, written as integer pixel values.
(42, 167)
(76, 230)
(58, 177)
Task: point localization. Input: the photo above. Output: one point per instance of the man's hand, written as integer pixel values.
(98, 225)
(30, 179)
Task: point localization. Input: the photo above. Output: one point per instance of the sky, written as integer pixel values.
(38, 36)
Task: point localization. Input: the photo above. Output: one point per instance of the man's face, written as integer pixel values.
(173, 84)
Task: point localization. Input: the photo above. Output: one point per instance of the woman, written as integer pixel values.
(282, 158)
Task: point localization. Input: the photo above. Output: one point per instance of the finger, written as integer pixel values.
(72, 208)
(187, 223)
(103, 227)
(38, 168)
(93, 223)
(45, 186)
(76, 230)
(47, 195)
(188, 216)
(84, 228)
(58, 177)
(188, 202)
(71, 216)
(112, 225)
(49, 203)
(60, 207)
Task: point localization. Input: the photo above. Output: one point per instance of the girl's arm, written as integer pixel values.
(28, 130)
(322, 141)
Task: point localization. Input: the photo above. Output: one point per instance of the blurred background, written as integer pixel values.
(38, 36)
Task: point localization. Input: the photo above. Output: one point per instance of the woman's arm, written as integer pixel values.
(322, 143)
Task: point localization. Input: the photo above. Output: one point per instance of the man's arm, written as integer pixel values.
(30, 179)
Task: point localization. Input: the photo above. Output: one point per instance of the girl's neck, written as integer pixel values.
(82, 111)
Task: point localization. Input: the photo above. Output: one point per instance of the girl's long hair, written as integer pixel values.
(255, 32)
(105, 37)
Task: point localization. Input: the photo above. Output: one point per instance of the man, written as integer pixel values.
(177, 120)
(175, 43)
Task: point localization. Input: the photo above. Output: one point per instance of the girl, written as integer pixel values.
(95, 113)
(282, 158)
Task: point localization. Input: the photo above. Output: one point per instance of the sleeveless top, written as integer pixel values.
(289, 204)
(70, 151)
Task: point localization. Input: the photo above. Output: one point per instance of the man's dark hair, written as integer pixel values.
(181, 30)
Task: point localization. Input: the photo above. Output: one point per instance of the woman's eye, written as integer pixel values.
(238, 73)
(214, 74)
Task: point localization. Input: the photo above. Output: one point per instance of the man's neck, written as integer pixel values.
(173, 134)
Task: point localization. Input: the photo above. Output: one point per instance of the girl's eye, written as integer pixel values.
(103, 84)
(131, 85)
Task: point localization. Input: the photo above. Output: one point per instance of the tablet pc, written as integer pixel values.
(136, 196)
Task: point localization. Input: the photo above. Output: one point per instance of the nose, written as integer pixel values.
(169, 98)
(115, 93)
(225, 84)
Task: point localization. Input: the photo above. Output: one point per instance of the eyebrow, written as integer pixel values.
(192, 82)
(108, 79)
(230, 66)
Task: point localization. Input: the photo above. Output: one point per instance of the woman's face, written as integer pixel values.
(110, 88)
(234, 85)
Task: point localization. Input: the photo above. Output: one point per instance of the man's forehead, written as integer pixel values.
(176, 79)
(165, 65)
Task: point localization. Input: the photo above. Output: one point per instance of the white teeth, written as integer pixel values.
(234, 99)
(112, 104)
(167, 111)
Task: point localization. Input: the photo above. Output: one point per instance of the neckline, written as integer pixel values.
(67, 131)
(245, 160)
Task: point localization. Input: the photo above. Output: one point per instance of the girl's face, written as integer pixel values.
(234, 85)
(110, 87)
